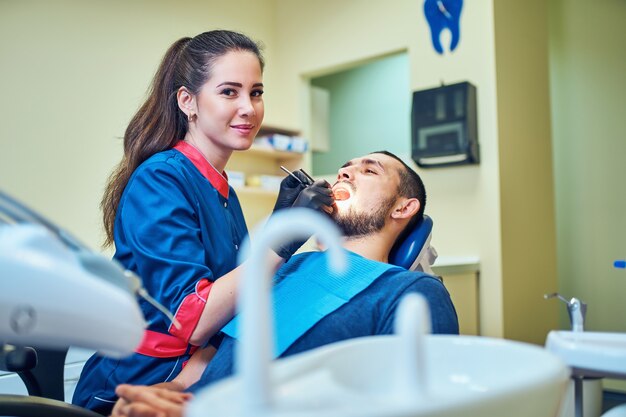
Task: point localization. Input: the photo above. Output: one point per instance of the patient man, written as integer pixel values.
(384, 196)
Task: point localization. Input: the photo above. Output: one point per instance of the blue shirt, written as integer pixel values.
(307, 289)
(371, 312)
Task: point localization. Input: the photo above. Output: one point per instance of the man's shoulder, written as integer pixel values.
(399, 282)
(443, 313)
(414, 278)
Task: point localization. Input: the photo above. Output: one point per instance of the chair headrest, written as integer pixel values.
(414, 251)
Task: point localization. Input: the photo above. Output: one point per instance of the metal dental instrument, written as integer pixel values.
(307, 175)
(292, 174)
(299, 180)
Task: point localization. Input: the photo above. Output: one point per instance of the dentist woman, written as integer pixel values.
(170, 212)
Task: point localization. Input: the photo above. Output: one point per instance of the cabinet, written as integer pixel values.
(257, 202)
(461, 278)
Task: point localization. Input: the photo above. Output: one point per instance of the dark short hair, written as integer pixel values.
(411, 186)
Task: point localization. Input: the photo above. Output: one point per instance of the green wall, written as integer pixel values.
(370, 109)
(588, 88)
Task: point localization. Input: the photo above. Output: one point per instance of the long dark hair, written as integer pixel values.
(159, 123)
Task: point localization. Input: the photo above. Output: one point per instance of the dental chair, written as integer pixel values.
(41, 370)
(414, 252)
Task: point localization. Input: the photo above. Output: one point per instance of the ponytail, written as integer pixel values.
(157, 126)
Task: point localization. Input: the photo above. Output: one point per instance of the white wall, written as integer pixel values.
(72, 75)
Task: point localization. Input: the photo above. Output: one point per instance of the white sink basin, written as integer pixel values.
(465, 376)
(591, 353)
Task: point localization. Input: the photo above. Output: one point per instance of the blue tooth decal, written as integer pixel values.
(440, 15)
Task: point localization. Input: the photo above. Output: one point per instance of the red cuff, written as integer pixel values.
(161, 345)
(190, 310)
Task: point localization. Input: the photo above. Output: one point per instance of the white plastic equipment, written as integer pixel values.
(56, 293)
(51, 296)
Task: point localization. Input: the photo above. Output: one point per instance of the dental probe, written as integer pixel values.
(307, 175)
(293, 175)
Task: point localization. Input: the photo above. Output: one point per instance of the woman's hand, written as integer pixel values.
(317, 196)
(290, 188)
(149, 401)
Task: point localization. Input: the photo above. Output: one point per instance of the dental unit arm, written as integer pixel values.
(55, 292)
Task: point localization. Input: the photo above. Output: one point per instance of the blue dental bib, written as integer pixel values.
(306, 290)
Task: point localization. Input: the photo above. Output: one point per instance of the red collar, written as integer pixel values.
(217, 180)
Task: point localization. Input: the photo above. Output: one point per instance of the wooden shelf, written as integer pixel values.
(257, 202)
(255, 192)
(259, 160)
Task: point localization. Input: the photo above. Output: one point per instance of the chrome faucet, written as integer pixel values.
(576, 309)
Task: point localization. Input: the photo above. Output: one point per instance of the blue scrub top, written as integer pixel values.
(179, 226)
(174, 228)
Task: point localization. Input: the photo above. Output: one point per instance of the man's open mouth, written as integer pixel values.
(341, 194)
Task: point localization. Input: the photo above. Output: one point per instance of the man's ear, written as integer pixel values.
(186, 101)
(406, 208)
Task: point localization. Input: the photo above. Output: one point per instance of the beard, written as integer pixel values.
(358, 224)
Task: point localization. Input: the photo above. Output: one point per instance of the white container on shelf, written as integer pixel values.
(280, 142)
(271, 182)
(236, 179)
